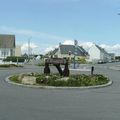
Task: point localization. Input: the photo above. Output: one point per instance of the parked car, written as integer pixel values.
(101, 62)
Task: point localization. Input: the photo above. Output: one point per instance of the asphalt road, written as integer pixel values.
(21, 103)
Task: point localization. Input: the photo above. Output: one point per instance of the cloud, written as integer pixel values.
(29, 33)
(112, 49)
(68, 42)
(49, 49)
(86, 45)
(33, 48)
(109, 48)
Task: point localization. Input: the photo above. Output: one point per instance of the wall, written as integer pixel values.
(94, 53)
(18, 51)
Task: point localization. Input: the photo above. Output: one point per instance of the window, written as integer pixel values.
(4, 53)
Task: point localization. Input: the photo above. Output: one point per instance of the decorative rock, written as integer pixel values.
(29, 80)
(21, 77)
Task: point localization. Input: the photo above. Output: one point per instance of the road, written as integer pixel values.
(21, 103)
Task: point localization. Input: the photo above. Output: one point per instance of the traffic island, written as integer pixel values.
(56, 81)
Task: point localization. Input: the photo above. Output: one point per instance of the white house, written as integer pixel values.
(7, 46)
(18, 51)
(69, 51)
(96, 53)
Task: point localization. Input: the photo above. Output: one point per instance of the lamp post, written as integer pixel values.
(4, 52)
(69, 55)
(75, 51)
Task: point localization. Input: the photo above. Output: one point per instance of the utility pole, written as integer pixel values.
(29, 47)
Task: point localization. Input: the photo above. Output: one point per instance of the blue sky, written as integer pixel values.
(48, 22)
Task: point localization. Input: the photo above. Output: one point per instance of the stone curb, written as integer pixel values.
(86, 70)
(52, 87)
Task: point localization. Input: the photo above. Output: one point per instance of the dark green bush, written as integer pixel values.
(14, 59)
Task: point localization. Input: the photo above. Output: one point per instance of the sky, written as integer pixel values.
(46, 23)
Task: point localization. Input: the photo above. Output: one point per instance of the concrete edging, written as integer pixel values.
(117, 68)
(52, 87)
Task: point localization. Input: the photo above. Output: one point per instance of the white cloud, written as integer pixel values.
(86, 45)
(29, 33)
(112, 49)
(109, 48)
(49, 49)
(68, 42)
(33, 48)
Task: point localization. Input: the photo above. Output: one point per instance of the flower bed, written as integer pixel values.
(71, 81)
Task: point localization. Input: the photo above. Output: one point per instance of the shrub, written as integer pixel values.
(41, 63)
(40, 79)
(14, 59)
(81, 61)
(73, 80)
(15, 78)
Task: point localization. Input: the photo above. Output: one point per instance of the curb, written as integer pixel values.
(117, 68)
(85, 70)
(52, 87)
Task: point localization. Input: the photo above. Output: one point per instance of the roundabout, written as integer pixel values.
(18, 102)
(63, 83)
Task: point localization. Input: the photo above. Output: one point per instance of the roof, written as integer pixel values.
(54, 51)
(83, 50)
(65, 49)
(101, 49)
(7, 41)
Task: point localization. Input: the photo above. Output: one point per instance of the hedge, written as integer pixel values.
(14, 59)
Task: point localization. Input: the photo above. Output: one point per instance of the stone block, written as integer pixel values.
(30, 80)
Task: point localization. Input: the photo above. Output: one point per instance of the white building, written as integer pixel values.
(18, 51)
(69, 51)
(7, 46)
(96, 54)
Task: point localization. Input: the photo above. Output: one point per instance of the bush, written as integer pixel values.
(81, 60)
(15, 78)
(73, 80)
(14, 59)
(42, 63)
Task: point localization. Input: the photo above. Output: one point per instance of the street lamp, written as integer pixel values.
(69, 53)
(4, 52)
(75, 51)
